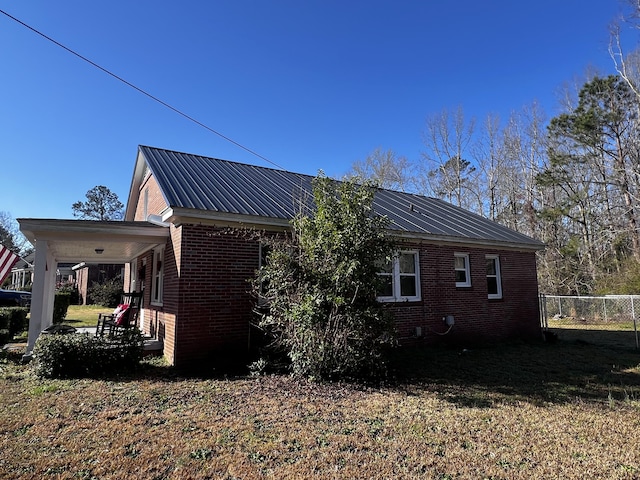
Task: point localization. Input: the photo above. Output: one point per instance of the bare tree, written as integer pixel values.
(489, 155)
(627, 65)
(11, 236)
(447, 171)
(385, 168)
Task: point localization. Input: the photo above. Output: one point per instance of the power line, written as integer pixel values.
(140, 90)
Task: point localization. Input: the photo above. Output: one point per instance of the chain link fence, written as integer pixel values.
(614, 316)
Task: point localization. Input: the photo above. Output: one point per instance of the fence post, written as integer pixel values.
(635, 324)
(543, 311)
(559, 306)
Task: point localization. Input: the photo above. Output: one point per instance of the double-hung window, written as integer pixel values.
(158, 276)
(494, 283)
(462, 270)
(400, 278)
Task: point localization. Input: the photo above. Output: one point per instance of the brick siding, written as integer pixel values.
(207, 309)
(208, 306)
(153, 197)
(476, 318)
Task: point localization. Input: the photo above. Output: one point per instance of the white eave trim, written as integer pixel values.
(451, 240)
(179, 216)
(54, 228)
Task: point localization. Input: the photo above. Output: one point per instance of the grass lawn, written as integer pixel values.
(84, 315)
(570, 410)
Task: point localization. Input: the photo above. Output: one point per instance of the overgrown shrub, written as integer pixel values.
(82, 355)
(107, 294)
(60, 306)
(319, 288)
(14, 319)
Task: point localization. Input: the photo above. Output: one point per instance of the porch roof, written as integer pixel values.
(93, 241)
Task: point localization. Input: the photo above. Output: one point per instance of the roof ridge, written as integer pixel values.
(235, 162)
(192, 182)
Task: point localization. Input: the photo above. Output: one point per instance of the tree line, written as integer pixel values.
(572, 182)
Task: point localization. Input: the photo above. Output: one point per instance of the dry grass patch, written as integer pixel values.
(568, 410)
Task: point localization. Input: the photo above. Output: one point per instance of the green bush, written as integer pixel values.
(14, 319)
(107, 294)
(320, 286)
(60, 306)
(73, 292)
(79, 355)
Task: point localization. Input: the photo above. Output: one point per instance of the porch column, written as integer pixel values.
(42, 293)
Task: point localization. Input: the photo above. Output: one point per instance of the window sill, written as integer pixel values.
(398, 300)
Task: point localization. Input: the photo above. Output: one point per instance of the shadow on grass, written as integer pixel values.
(72, 322)
(585, 365)
(573, 368)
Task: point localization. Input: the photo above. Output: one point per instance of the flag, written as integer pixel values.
(7, 260)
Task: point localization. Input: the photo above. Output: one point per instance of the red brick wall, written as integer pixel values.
(213, 294)
(159, 320)
(207, 307)
(153, 197)
(214, 307)
(476, 318)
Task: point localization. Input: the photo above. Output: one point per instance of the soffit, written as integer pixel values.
(81, 240)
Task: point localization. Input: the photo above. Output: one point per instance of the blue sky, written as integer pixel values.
(309, 85)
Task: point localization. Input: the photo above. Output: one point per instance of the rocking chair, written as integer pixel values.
(124, 317)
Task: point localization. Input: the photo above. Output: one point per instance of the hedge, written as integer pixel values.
(80, 355)
(61, 303)
(13, 320)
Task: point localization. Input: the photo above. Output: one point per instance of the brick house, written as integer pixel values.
(458, 277)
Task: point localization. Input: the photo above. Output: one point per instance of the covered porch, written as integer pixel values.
(75, 241)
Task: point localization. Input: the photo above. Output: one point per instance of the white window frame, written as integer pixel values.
(497, 276)
(466, 269)
(157, 278)
(396, 275)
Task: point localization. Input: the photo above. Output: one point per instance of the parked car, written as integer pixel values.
(14, 298)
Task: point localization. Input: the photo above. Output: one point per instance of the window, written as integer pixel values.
(462, 273)
(400, 278)
(494, 284)
(158, 276)
(265, 250)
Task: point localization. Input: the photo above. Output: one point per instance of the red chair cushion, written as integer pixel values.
(120, 316)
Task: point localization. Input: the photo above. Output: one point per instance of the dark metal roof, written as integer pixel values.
(202, 183)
